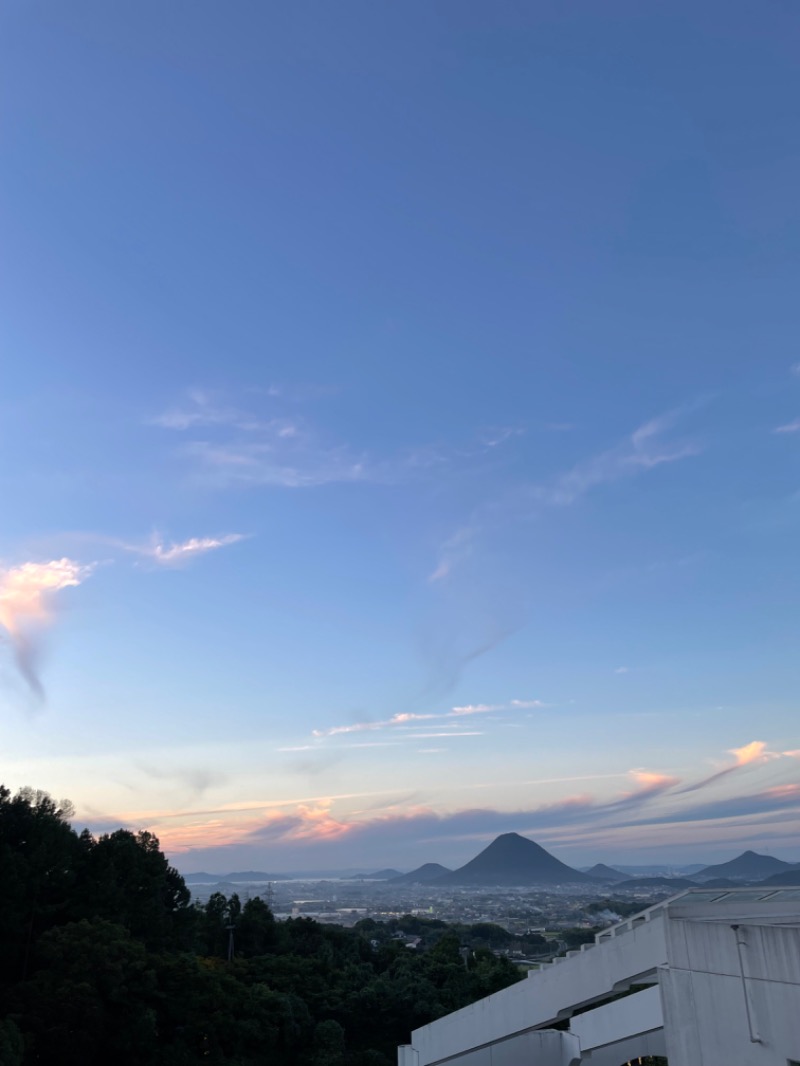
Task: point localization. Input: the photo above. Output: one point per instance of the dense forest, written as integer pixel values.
(105, 959)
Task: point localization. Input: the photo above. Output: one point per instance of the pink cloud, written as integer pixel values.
(318, 829)
(27, 595)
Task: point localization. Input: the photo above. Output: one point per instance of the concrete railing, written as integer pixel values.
(548, 995)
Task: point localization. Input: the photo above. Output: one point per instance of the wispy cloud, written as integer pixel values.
(646, 448)
(303, 463)
(754, 753)
(181, 552)
(203, 408)
(476, 708)
(404, 719)
(27, 606)
(789, 427)
(29, 592)
(650, 445)
(648, 784)
(447, 735)
(491, 438)
(233, 445)
(370, 726)
(454, 551)
(241, 447)
(304, 828)
(316, 823)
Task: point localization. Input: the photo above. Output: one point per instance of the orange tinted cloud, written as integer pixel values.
(749, 753)
(307, 823)
(26, 606)
(783, 791)
(648, 780)
(26, 591)
(288, 830)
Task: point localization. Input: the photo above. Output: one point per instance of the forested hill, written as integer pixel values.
(104, 959)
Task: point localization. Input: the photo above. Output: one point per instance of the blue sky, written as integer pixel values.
(400, 424)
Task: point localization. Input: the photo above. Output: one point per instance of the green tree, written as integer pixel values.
(12, 1046)
(213, 930)
(488, 933)
(91, 998)
(38, 849)
(97, 941)
(125, 878)
(256, 932)
(328, 1047)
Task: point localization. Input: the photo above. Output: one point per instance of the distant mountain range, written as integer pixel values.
(785, 877)
(659, 869)
(514, 860)
(676, 883)
(381, 875)
(601, 872)
(234, 878)
(423, 875)
(749, 866)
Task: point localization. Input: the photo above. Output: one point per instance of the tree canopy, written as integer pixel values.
(104, 958)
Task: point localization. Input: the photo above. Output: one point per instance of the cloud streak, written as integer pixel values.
(652, 799)
(646, 448)
(754, 753)
(455, 550)
(403, 719)
(650, 445)
(175, 554)
(315, 829)
(234, 446)
(271, 464)
(203, 409)
(231, 446)
(315, 823)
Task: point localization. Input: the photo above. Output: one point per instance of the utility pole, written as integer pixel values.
(230, 929)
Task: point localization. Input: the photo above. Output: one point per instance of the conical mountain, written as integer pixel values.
(749, 866)
(429, 871)
(514, 860)
(379, 875)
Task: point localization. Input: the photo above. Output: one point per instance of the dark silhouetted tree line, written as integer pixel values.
(104, 959)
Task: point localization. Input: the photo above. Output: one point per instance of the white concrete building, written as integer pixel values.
(707, 978)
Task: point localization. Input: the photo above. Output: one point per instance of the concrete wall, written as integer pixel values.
(622, 1051)
(706, 1001)
(547, 1047)
(726, 992)
(547, 995)
(637, 1013)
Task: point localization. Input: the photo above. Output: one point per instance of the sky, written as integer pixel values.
(400, 426)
